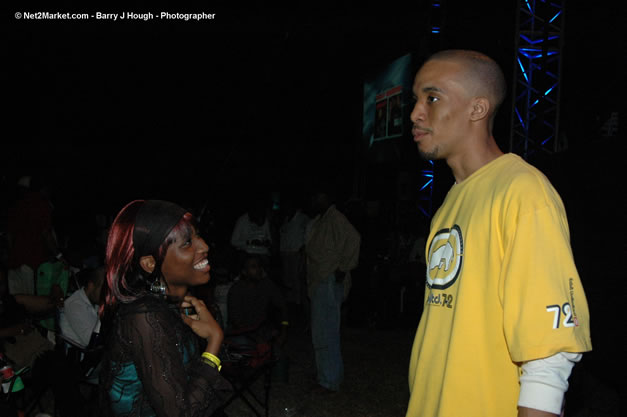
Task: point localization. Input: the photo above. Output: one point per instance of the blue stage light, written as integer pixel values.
(520, 119)
(550, 89)
(555, 17)
(532, 42)
(533, 53)
(426, 184)
(529, 6)
(522, 68)
(547, 139)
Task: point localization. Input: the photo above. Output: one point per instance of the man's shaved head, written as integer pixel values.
(484, 76)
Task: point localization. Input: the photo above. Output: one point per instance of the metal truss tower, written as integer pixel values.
(537, 71)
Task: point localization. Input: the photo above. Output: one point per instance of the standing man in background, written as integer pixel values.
(292, 244)
(332, 248)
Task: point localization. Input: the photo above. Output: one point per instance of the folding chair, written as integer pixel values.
(22, 393)
(83, 360)
(86, 361)
(244, 361)
(12, 392)
(18, 398)
(67, 359)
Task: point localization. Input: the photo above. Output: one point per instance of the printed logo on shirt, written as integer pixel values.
(446, 252)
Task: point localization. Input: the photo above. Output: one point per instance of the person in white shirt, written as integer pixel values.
(79, 318)
(251, 233)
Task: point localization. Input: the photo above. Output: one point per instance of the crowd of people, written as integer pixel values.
(505, 317)
(259, 284)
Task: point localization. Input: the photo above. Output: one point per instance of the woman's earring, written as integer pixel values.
(158, 287)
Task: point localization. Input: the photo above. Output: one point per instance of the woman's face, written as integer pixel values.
(185, 263)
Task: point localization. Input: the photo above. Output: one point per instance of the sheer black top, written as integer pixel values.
(152, 365)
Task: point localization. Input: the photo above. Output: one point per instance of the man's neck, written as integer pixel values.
(326, 210)
(474, 157)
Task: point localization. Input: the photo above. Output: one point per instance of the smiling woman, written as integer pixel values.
(158, 362)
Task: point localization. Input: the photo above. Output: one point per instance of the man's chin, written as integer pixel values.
(428, 156)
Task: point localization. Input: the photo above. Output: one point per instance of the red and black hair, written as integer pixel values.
(153, 225)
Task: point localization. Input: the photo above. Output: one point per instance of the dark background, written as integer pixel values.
(261, 95)
(269, 98)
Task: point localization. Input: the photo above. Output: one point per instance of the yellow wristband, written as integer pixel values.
(285, 323)
(210, 357)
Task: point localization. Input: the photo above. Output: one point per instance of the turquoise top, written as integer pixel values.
(127, 387)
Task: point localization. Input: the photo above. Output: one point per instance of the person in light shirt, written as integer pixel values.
(251, 233)
(79, 319)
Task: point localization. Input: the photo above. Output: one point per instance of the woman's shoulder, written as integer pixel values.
(148, 313)
(144, 305)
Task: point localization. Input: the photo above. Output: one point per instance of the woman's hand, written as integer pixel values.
(203, 324)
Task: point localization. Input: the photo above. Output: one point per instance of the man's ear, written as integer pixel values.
(147, 263)
(480, 109)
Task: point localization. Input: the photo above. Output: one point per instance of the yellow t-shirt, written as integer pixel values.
(502, 288)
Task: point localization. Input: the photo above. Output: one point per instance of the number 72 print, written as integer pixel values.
(557, 311)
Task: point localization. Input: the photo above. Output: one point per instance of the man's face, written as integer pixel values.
(319, 202)
(252, 269)
(441, 114)
(94, 288)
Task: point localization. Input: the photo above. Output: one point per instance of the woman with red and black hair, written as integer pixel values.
(158, 361)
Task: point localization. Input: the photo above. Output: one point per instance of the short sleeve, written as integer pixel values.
(544, 305)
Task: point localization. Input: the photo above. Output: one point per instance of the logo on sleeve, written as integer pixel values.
(446, 252)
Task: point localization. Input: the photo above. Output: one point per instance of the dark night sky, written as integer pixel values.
(129, 108)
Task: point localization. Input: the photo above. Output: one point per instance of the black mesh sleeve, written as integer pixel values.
(155, 340)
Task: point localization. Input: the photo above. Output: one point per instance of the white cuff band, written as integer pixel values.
(544, 381)
(541, 397)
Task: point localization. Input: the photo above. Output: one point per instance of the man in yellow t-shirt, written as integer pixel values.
(505, 316)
